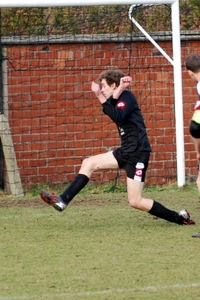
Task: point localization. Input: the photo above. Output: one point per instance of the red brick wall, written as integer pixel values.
(56, 121)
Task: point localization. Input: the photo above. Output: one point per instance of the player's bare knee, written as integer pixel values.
(134, 202)
(88, 164)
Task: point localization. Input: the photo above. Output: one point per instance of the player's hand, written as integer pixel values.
(96, 88)
(125, 81)
(123, 85)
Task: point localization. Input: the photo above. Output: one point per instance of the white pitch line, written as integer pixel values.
(103, 292)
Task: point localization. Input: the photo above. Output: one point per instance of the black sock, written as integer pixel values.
(74, 188)
(162, 212)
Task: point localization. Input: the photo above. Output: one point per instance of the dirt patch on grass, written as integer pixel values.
(97, 199)
(22, 203)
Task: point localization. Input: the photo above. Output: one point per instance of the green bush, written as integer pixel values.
(95, 19)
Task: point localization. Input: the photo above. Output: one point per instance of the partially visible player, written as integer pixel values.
(192, 64)
(121, 106)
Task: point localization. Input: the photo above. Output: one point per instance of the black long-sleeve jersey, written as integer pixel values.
(126, 114)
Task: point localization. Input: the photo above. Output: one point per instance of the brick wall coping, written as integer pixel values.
(95, 38)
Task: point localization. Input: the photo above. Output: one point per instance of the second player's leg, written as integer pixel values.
(198, 178)
(197, 149)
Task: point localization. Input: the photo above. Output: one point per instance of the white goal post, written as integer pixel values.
(176, 61)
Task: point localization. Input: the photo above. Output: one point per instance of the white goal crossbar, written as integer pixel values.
(176, 62)
(48, 3)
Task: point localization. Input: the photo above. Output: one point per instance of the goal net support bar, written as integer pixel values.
(176, 63)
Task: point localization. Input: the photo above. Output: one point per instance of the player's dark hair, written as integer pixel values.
(111, 76)
(192, 63)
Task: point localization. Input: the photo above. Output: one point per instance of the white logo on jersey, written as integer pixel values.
(121, 104)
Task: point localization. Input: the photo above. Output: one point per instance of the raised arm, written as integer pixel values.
(96, 89)
(124, 84)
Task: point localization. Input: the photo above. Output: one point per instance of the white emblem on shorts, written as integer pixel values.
(138, 171)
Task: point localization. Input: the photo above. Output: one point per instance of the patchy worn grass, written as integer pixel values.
(99, 249)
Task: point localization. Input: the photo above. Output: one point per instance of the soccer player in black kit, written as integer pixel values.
(121, 106)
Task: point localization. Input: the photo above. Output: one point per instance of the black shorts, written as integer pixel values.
(195, 129)
(135, 163)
